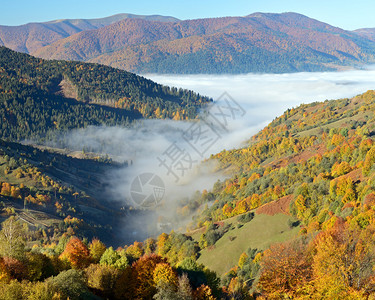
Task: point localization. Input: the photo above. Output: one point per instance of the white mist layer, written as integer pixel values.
(262, 96)
(266, 96)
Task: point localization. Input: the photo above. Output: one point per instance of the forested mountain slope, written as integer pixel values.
(366, 32)
(39, 96)
(316, 164)
(296, 217)
(32, 36)
(260, 42)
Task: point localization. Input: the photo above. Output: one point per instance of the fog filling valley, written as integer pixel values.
(148, 145)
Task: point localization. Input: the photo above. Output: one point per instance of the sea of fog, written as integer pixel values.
(266, 96)
(164, 156)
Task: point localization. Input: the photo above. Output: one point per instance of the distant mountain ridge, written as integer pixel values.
(32, 36)
(366, 32)
(260, 42)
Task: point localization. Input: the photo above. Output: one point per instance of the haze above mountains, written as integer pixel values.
(260, 42)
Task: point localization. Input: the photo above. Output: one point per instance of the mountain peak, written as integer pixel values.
(265, 14)
(115, 18)
(27, 38)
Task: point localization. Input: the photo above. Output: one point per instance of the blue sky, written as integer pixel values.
(347, 14)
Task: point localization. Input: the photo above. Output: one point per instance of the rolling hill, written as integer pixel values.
(260, 42)
(30, 37)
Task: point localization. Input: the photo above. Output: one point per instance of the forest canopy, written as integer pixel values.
(38, 96)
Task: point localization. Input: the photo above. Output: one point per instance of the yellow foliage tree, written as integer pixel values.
(343, 263)
(97, 248)
(164, 274)
(242, 260)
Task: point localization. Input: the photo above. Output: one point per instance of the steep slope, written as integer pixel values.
(258, 42)
(315, 163)
(30, 37)
(42, 188)
(310, 145)
(54, 192)
(258, 234)
(38, 96)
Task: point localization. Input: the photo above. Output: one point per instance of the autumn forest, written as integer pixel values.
(287, 214)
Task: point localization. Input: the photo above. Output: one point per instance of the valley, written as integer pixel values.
(196, 158)
(82, 191)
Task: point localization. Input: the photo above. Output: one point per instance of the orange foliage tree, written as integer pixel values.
(284, 268)
(344, 262)
(77, 253)
(135, 251)
(143, 275)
